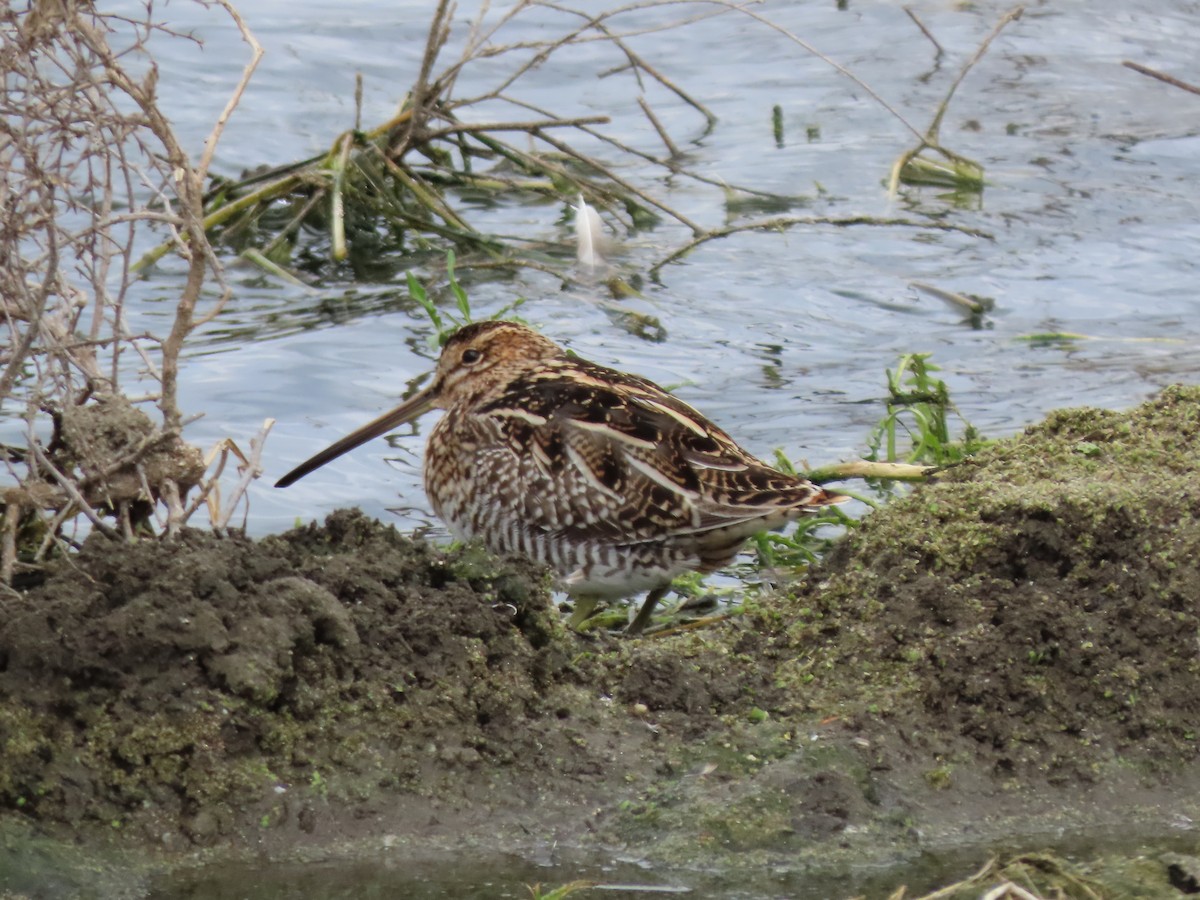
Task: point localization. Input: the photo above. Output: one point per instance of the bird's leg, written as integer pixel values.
(583, 610)
(642, 619)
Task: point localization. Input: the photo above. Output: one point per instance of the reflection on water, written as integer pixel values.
(393, 874)
(512, 877)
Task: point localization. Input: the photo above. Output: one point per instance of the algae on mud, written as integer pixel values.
(1010, 648)
(1042, 599)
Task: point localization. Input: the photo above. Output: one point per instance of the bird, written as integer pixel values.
(600, 475)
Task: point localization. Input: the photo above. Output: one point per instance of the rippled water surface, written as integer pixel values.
(783, 338)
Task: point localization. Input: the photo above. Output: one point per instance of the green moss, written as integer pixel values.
(759, 822)
(930, 583)
(940, 777)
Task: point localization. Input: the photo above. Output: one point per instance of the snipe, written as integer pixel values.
(603, 476)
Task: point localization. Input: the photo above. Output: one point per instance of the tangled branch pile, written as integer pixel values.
(399, 190)
(87, 157)
(398, 187)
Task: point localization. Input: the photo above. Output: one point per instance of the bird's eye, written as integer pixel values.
(471, 355)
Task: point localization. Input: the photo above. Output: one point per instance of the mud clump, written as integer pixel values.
(113, 449)
(178, 687)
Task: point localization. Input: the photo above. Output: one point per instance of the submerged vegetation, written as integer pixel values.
(400, 190)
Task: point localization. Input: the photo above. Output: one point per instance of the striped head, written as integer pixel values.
(481, 359)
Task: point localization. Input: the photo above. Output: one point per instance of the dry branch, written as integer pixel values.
(1162, 76)
(782, 223)
(939, 52)
(957, 171)
(95, 159)
(865, 468)
(400, 176)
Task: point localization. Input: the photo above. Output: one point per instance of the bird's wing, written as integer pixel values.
(606, 456)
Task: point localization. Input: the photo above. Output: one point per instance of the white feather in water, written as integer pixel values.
(589, 235)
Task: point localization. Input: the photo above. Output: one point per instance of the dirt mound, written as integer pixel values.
(1011, 648)
(176, 685)
(1041, 600)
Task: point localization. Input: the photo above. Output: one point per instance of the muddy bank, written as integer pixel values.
(1010, 650)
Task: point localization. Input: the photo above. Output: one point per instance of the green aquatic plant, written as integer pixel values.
(918, 414)
(444, 323)
(919, 408)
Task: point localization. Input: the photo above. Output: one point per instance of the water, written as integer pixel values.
(510, 877)
(782, 338)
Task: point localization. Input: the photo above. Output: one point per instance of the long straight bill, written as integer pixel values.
(405, 412)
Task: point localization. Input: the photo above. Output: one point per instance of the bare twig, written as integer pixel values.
(439, 32)
(8, 540)
(1161, 76)
(256, 54)
(637, 62)
(963, 168)
(985, 871)
(758, 17)
(96, 159)
(668, 164)
(925, 31)
(71, 491)
(782, 223)
(1012, 15)
(864, 468)
(337, 209)
(209, 491)
(250, 470)
(662, 132)
(489, 127)
(53, 533)
(480, 49)
(32, 314)
(1008, 891)
(616, 179)
(964, 303)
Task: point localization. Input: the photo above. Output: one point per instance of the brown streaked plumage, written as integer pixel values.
(603, 476)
